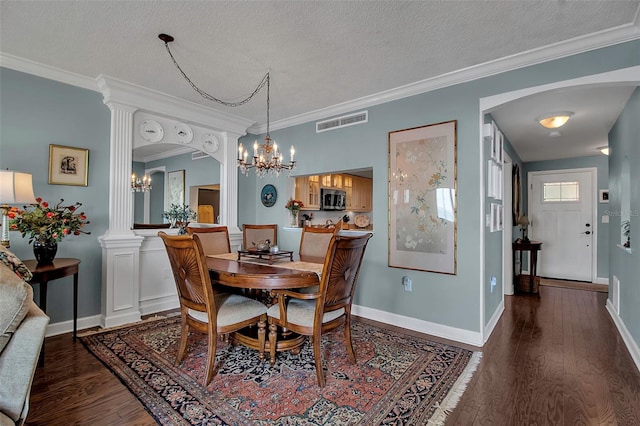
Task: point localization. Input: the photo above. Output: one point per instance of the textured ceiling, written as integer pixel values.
(320, 53)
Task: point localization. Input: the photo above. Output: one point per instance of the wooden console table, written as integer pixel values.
(533, 247)
(60, 268)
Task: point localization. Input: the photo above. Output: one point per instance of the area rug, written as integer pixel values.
(398, 379)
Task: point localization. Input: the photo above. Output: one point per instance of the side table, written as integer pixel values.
(42, 274)
(533, 247)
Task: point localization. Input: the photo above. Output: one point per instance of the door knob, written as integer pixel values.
(587, 232)
(587, 225)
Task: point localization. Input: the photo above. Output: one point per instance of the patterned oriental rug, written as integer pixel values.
(398, 379)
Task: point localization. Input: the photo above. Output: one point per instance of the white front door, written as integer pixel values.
(561, 212)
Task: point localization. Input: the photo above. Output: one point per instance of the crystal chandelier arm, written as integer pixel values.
(168, 39)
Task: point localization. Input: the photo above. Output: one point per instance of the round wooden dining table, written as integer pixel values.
(249, 275)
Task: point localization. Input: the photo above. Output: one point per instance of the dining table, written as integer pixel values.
(256, 274)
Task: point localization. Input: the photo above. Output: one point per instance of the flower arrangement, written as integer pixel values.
(179, 215)
(293, 205)
(46, 224)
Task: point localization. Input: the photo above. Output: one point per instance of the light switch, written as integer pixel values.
(605, 218)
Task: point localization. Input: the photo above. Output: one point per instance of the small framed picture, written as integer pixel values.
(604, 195)
(68, 165)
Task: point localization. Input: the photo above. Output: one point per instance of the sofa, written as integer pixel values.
(22, 330)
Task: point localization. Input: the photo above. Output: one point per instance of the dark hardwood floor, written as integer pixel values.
(556, 359)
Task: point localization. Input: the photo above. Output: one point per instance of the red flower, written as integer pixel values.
(65, 231)
(38, 200)
(11, 215)
(50, 215)
(42, 222)
(45, 204)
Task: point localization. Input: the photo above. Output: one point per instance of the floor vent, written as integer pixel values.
(198, 155)
(344, 121)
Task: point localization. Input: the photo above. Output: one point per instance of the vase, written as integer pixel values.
(45, 252)
(294, 218)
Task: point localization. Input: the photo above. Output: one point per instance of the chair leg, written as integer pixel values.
(347, 339)
(273, 334)
(317, 357)
(184, 334)
(211, 354)
(261, 338)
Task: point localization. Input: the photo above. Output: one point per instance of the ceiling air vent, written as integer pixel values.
(198, 155)
(344, 121)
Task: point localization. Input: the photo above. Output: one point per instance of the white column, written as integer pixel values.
(229, 189)
(120, 246)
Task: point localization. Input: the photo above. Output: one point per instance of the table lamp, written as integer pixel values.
(523, 221)
(15, 188)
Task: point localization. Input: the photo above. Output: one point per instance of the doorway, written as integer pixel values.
(561, 213)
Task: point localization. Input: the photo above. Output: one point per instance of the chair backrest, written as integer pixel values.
(190, 272)
(214, 239)
(314, 243)
(251, 234)
(341, 270)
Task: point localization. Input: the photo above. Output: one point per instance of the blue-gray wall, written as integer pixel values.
(443, 299)
(624, 143)
(601, 163)
(35, 112)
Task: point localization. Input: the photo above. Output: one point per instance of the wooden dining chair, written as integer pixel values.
(314, 243)
(203, 310)
(312, 314)
(214, 239)
(252, 234)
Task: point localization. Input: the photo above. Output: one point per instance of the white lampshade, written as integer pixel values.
(16, 188)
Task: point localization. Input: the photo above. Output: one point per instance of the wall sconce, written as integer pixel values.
(603, 149)
(15, 188)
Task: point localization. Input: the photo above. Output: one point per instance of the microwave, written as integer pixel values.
(332, 199)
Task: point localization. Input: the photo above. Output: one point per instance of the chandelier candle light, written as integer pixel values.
(266, 158)
(140, 184)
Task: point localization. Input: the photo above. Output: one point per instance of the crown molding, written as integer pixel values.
(605, 38)
(45, 71)
(119, 91)
(161, 155)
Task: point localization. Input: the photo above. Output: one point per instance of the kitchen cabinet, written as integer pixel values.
(359, 190)
(308, 191)
(361, 194)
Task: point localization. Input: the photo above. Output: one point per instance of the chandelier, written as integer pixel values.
(140, 184)
(266, 158)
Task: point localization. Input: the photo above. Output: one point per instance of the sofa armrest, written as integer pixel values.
(18, 363)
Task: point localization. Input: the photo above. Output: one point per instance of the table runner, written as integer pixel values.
(297, 265)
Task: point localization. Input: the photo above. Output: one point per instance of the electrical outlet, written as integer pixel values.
(406, 282)
(493, 283)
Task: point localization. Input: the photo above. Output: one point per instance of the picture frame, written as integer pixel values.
(68, 165)
(494, 222)
(604, 196)
(175, 188)
(423, 198)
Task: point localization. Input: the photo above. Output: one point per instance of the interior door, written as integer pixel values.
(561, 211)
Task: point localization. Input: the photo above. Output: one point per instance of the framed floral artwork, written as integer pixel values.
(175, 188)
(68, 165)
(422, 198)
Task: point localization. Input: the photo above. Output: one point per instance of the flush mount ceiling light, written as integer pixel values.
(266, 158)
(603, 149)
(555, 119)
(555, 134)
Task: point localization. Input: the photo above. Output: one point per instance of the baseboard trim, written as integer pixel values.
(602, 280)
(63, 327)
(446, 332)
(631, 344)
(159, 304)
(488, 329)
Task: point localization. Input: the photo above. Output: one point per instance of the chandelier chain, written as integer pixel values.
(263, 81)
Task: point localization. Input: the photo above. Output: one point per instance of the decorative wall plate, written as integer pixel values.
(151, 130)
(269, 195)
(210, 142)
(184, 134)
(361, 221)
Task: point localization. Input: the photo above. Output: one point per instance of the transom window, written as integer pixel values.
(560, 191)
